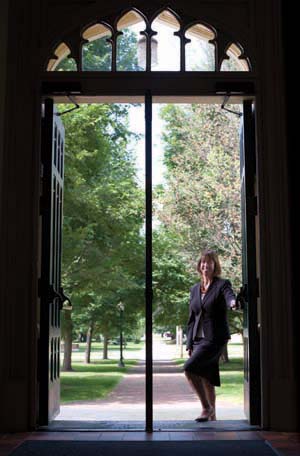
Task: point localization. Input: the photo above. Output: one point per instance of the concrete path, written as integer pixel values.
(173, 398)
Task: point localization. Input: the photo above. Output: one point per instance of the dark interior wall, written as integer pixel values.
(3, 57)
(33, 29)
(289, 48)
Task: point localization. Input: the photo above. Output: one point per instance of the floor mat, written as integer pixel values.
(145, 448)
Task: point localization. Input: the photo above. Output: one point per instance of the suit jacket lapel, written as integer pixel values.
(208, 291)
(198, 295)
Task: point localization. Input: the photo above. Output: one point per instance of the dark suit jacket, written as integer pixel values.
(212, 309)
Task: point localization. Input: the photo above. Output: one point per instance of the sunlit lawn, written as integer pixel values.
(88, 382)
(92, 381)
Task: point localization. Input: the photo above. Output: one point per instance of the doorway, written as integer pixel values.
(149, 233)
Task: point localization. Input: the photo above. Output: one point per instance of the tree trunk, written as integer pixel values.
(224, 355)
(89, 344)
(105, 347)
(68, 326)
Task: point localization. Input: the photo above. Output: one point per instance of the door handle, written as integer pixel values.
(53, 294)
(65, 298)
(242, 296)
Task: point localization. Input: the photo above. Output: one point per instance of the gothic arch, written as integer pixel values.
(74, 40)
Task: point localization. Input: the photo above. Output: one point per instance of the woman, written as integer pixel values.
(207, 331)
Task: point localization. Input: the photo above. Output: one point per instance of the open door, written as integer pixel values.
(50, 291)
(249, 290)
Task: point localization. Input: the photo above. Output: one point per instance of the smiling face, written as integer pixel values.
(207, 267)
(208, 264)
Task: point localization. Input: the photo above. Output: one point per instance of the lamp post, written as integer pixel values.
(121, 310)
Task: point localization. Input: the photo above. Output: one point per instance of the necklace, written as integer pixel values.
(204, 288)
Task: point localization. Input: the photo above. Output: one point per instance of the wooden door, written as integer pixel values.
(249, 290)
(51, 293)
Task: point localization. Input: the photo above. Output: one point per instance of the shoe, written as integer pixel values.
(206, 415)
(213, 417)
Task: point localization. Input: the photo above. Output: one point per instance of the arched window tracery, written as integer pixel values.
(61, 60)
(235, 59)
(163, 42)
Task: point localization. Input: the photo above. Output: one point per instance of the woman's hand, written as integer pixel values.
(234, 305)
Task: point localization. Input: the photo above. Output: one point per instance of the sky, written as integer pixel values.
(137, 125)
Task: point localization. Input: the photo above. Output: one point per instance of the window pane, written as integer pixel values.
(165, 45)
(130, 43)
(199, 53)
(233, 63)
(67, 64)
(96, 54)
(63, 62)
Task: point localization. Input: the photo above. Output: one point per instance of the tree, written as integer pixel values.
(103, 216)
(88, 132)
(200, 201)
(96, 55)
(171, 280)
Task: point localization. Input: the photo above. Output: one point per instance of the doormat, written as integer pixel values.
(145, 448)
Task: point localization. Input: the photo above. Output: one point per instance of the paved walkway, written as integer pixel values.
(173, 398)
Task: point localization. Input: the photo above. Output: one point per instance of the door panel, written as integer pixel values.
(50, 282)
(249, 291)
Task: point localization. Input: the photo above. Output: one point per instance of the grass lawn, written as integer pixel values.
(232, 375)
(92, 381)
(113, 351)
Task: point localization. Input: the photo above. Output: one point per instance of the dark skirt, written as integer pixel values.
(205, 360)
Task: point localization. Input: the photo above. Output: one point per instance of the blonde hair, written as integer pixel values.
(211, 255)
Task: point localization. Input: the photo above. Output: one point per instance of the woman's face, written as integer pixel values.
(207, 267)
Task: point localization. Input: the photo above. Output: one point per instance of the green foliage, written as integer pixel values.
(66, 64)
(127, 51)
(200, 202)
(103, 216)
(171, 281)
(96, 55)
(103, 207)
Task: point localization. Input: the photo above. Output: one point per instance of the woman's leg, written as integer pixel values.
(197, 384)
(211, 395)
